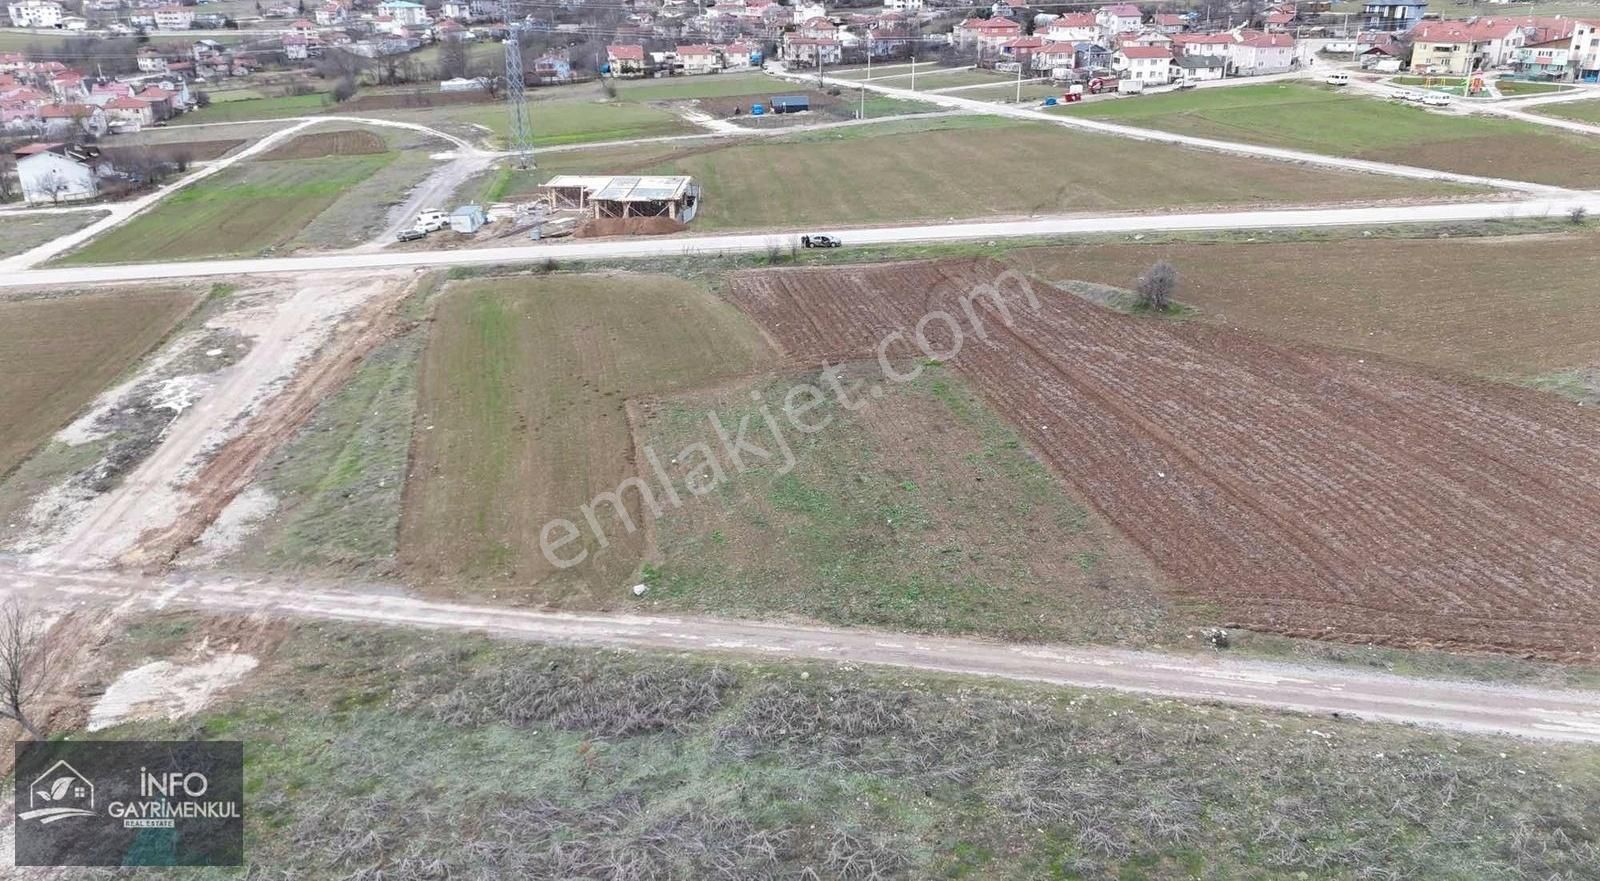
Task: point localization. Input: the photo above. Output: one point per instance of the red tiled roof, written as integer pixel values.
(1257, 40)
(34, 148)
(1145, 52)
(1075, 20)
(1123, 10)
(123, 102)
(696, 50)
(1171, 18)
(989, 24)
(1024, 43)
(626, 53)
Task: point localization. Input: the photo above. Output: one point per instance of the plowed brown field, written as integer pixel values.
(1306, 491)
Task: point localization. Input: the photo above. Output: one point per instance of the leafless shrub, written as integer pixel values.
(585, 695)
(1157, 286)
(1578, 215)
(27, 654)
(853, 855)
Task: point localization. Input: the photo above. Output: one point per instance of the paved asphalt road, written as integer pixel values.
(677, 246)
(1460, 706)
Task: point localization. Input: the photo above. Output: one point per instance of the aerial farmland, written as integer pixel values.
(774, 441)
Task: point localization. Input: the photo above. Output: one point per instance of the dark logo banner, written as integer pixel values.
(130, 803)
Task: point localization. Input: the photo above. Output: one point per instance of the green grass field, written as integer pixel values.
(899, 516)
(21, 231)
(938, 169)
(522, 418)
(1520, 87)
(1578, 111)
(935, 78)
(57, 353)
(1323, 120)
(554, 122)
(712, 86)
(258, 108)
(555, 762)
(243, 211)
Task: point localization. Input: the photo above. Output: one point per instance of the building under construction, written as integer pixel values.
(602, 196)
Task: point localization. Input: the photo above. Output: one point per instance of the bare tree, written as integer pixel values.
(1157, 286)
(25, 658)
(452, 58)
(344, 89)
(8, 180)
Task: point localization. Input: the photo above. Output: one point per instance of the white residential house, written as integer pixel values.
(1119, 18)
(330, 15)
(1584, 58)
(804, 10)
(174, 18)
(404, 12)
(35, 14)
(1257, 54)
(808, 50)
(151, 61)
(126, 114)
(903, 5)
(1151, 65)
(52, 173)
(1055, 60)
(71, 120)
(1074, 27)
(1195, 69)
(699, 59)
(460, 10)
(986, 35)
(296, 47)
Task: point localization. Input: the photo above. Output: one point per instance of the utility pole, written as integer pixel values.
(1019, 82)
(913, 73)
(521, 135)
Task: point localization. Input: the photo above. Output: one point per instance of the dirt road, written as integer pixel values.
(1462, 706)
(286, 331)
(699, 245)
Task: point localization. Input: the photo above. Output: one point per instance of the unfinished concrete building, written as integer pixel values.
(603, 196)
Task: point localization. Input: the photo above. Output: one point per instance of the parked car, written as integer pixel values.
(819, 241)
(1436, 99)
(411, 235)
(1338, 78)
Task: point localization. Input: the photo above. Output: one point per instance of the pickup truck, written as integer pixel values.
(819, 241)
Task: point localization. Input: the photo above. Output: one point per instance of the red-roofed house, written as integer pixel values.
(1055, 60)
(1151, 65)
(986, 35)
(1460, 47)
(60, 120)
(126, 114)
(1021, 49)
(1119, 17)
(809, 50)
(1074, 27)
(1257, 54)
(699, 59)
(818, 28)
(625, 60)
(1170, 23)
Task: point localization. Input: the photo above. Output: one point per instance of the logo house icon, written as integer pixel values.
(59, 793)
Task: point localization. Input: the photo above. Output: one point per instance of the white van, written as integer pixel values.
(1436, 99)
(1338, 78)
(432, 220)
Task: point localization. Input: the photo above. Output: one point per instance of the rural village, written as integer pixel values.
(631, 440)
